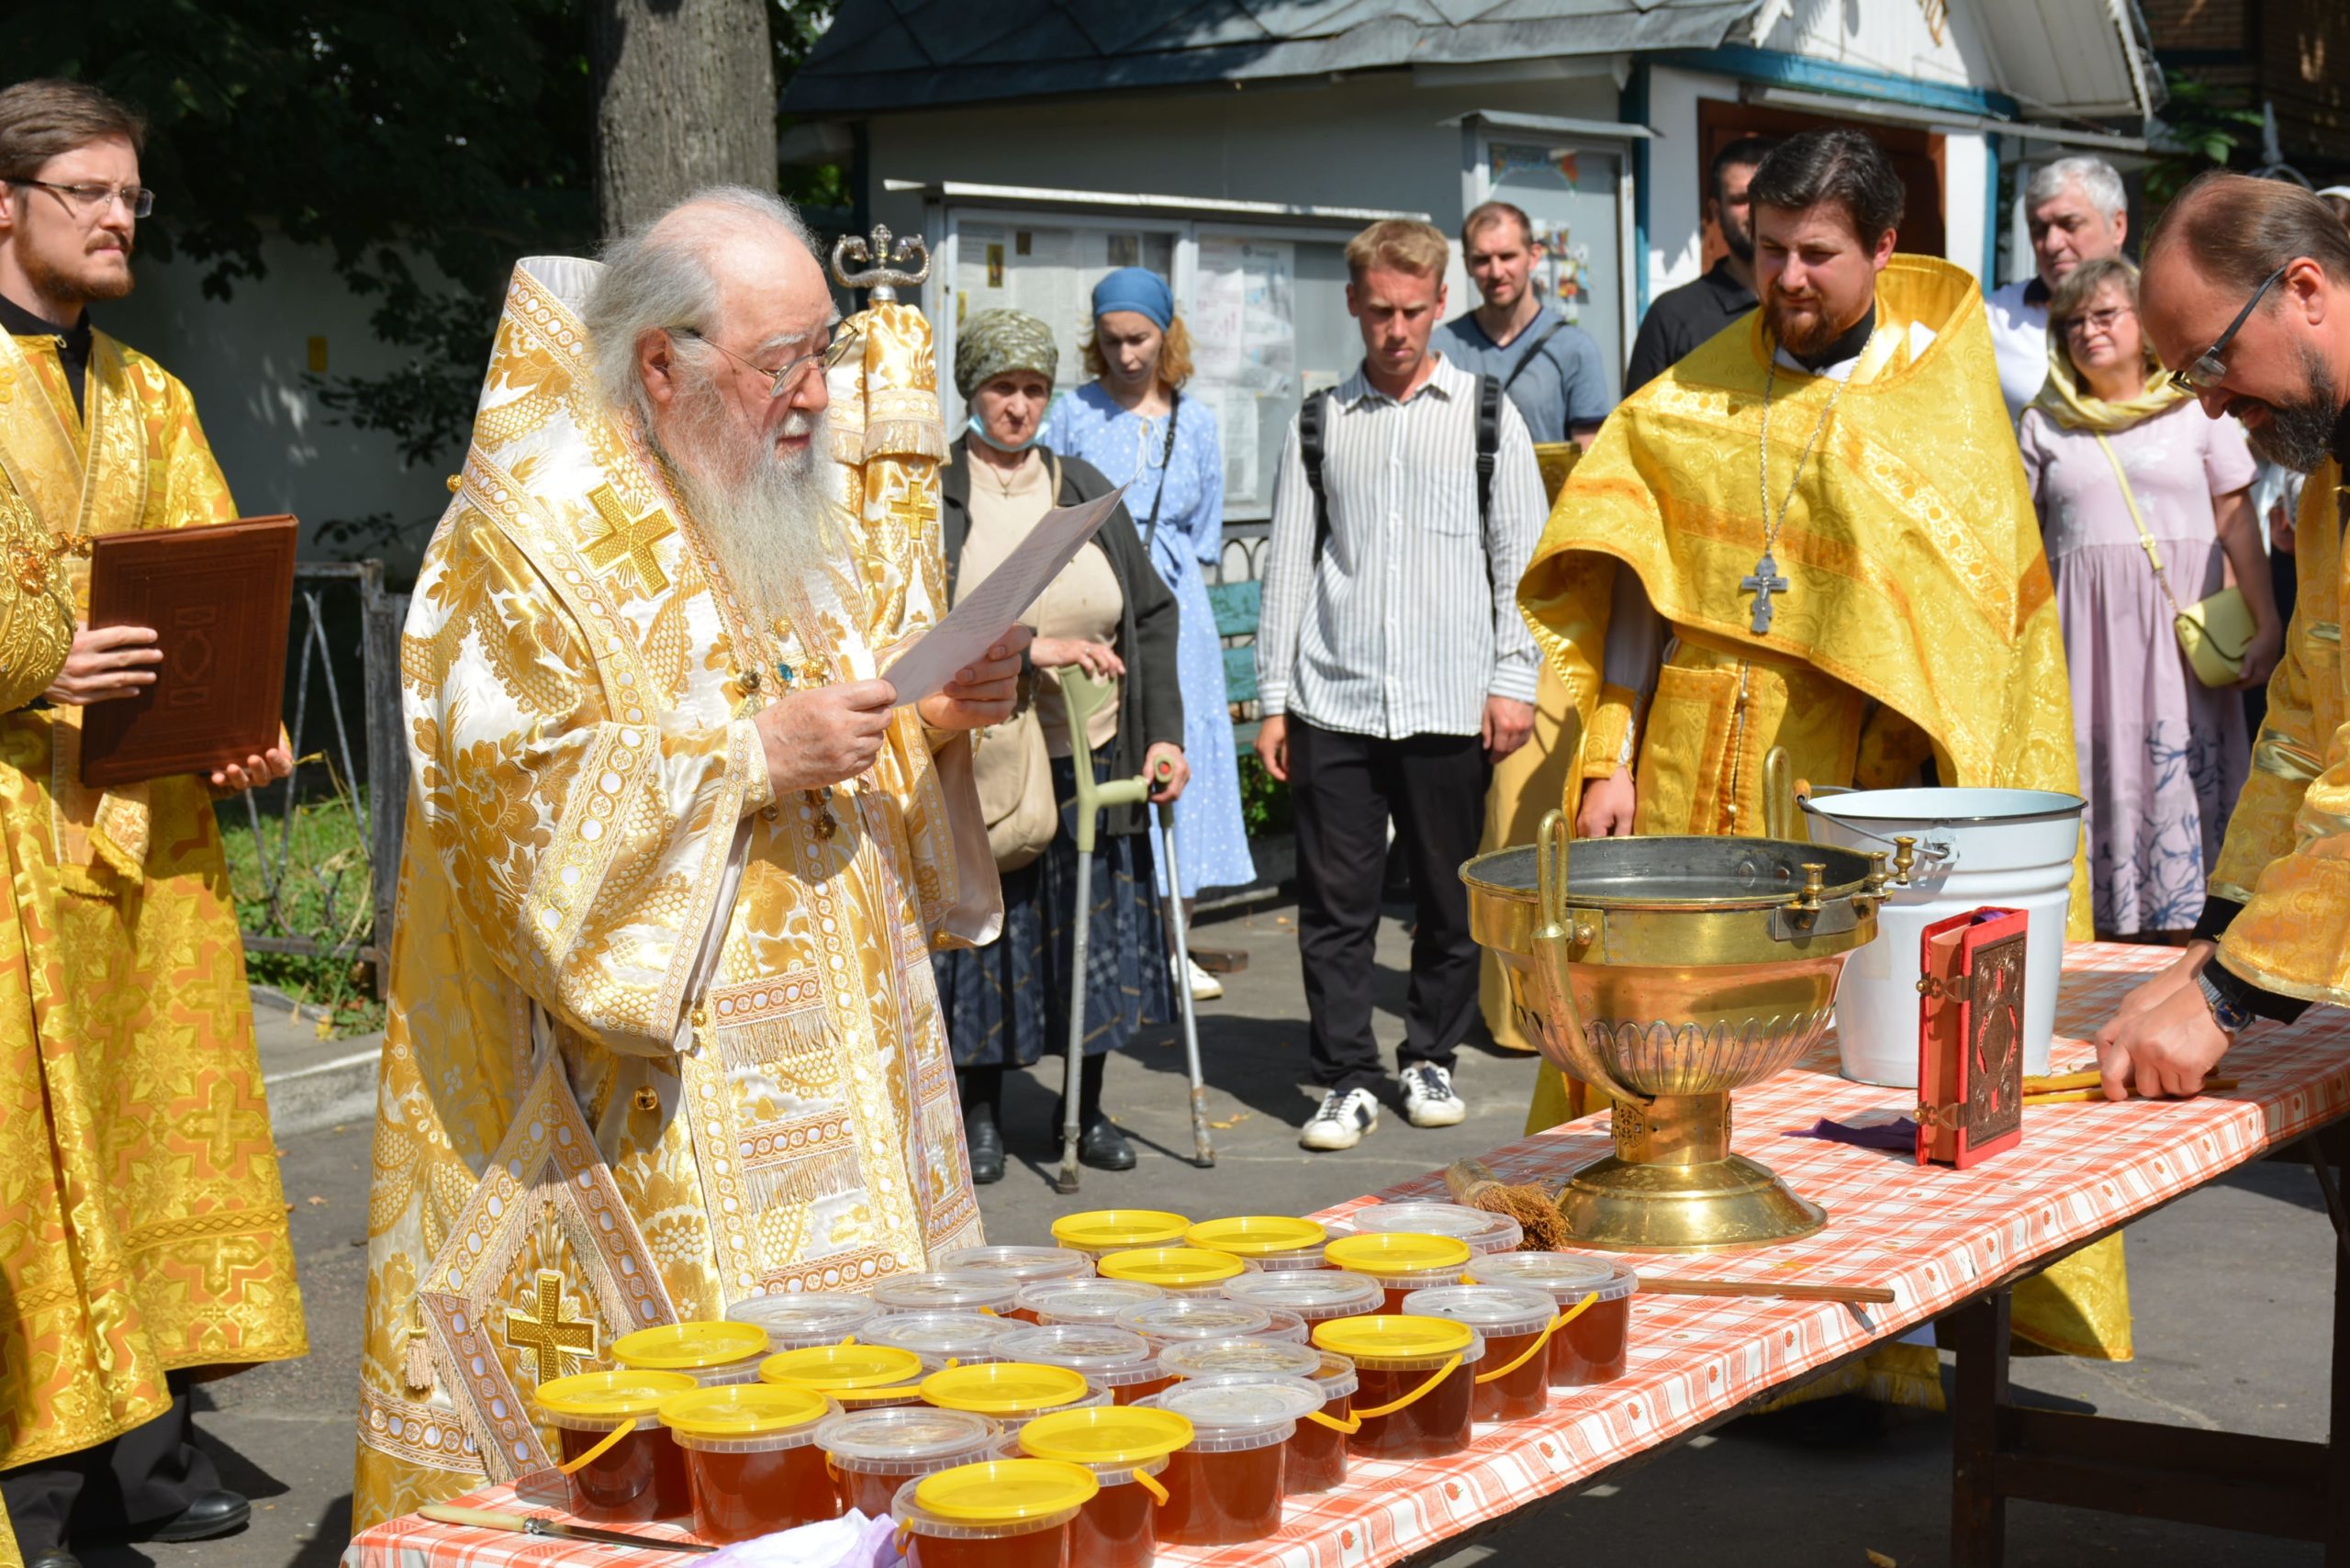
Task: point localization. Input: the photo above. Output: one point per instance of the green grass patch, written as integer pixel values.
(323, 893)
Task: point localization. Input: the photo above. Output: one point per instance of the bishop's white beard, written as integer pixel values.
(765, 516)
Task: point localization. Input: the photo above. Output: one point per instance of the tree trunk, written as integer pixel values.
(686, 97)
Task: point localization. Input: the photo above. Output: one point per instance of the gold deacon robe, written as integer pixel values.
(1918, 622)
(2287, 859)
(657, 1042)
(143, 1231)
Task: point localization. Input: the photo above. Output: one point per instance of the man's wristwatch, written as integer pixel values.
(2231, 1017)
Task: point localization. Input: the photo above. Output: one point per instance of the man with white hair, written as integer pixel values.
(2076, 211)
(663, 1036)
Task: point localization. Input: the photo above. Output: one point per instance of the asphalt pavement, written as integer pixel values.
(2232, 1290)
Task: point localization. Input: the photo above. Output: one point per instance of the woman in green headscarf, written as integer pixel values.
(2124, 467)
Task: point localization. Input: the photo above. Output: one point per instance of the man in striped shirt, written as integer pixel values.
(1394, 671)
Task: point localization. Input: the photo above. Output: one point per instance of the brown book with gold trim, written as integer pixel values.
(219, 600)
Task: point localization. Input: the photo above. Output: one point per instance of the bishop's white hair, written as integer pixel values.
(659, 278)
(2093, 177)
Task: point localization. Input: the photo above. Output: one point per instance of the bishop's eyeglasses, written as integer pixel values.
(782, 380)
(83, 201)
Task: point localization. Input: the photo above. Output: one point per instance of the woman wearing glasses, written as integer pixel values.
(2126, 471)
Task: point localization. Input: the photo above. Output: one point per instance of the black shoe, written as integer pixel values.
(1103, 1147)
(986, 1143)
(58, 1558)
(215, 1513)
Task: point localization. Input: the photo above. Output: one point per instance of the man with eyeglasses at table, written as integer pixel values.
(2246, 296)
(143, 1240)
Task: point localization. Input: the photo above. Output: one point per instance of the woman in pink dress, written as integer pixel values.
(2161, 755)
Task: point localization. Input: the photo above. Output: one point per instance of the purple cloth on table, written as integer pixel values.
(1899, 1135)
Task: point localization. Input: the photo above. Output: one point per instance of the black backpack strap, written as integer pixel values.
(1489, 445)
(1558, 324)
(1310, 422)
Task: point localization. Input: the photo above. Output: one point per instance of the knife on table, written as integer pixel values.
(540, 1525)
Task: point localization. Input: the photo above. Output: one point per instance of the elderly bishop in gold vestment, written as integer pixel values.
(663, 1035)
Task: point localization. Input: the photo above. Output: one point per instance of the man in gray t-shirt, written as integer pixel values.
(1550, 367)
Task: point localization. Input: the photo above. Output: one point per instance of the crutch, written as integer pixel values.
(1083, 696)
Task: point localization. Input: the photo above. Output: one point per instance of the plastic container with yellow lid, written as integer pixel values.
(1484, 1232)
(1269, 1242)
(1178, 1271)
(854, 1376)
(1002, 1512)
(1414, 1383)
(1513, 1376)
(618, 1459)
(1097, 1231)
(1011, 1391)
(943, 1336)
(1400, 1260)
(751, 1455)
(871, 1454)
(1117, 1360)
(1226, 1486)
(1312, 1295)
(1049, 1301)
(1194, 1317)
(1126, 1450)
(946, 1290)
(708, 1352)
(800, 1318)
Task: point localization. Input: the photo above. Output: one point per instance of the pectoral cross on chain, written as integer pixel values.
(1763, 582)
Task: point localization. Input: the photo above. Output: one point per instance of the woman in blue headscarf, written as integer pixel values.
(1133, 422)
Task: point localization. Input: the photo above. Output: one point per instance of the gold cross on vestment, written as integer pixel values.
(628, 537)
(546, 1335)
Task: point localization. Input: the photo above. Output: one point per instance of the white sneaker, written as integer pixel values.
(1205, 987)
(1428, 1099)
(1345, 1115)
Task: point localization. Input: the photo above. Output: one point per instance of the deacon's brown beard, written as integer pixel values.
(1803, 336)
(51, 283)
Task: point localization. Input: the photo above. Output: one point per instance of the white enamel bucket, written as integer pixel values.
(2012, 849)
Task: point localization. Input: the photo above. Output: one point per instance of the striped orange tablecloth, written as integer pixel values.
(1934, 1236)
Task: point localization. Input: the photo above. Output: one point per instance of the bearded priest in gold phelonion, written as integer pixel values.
(1814, 533)
(663, 1035)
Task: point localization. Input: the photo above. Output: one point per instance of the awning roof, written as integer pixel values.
(2085, 58)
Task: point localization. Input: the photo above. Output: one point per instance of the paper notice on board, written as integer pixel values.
(964, 635)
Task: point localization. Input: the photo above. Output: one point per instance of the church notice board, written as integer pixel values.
(219, 599)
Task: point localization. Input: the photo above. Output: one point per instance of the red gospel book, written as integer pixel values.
(218, 598)
(1970, 1037)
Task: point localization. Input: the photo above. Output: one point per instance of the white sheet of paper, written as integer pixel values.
(963, 637)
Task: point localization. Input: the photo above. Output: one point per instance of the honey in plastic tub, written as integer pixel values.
(1010, 1392)
(1271, 1241)
(1226, 1486)
(1115, 1359)
(1513, 1377)
(1178, 1271)
(1128, 1450)
(1590, 1347)
(947, 1290)
(1318, 1450)
(1313, 1295)
(800, 1318)
(853, 1376)
(943, 1336)
(709, 1353)
(1049, 1301)
(1255, 1355)
(1485, 1233)
(1019, 1265)
(1000, 1513)
(1194, 1317)
(1400, 1260)
(871, 1454)
(751, 1457)
(1412, 1397)
(618, 1459)
(1098, 1231)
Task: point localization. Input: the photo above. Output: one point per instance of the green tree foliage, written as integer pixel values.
(2203, 128)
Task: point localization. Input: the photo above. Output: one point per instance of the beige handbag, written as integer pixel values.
(1015, 776)
(2214, 632)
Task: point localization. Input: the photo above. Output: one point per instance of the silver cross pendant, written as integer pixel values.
(1763, 582)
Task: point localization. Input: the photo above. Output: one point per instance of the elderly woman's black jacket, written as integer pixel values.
(1150, 703)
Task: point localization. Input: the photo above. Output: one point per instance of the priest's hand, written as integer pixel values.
(2166, 1049)
(1607, 805)
(980, 694)
(1272, 746)
(1508, 722)
(2260, 655)
(1169, 756)
(102, 666)
(267, 767)
(817, 737)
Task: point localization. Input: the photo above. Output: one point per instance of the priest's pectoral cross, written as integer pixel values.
(1763, 583)
(623, 537)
